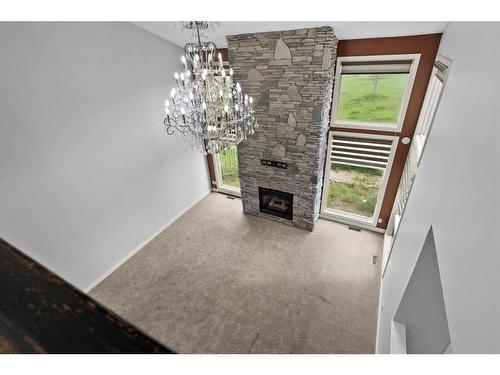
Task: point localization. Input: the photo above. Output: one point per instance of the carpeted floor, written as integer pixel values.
(218, 281)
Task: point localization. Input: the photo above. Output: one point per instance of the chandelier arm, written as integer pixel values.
(171, 126)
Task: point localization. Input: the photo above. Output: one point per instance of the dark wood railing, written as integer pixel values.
(42, 313)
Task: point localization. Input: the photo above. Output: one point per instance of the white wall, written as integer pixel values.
(457, 192)
(422, 309)
(86, 171)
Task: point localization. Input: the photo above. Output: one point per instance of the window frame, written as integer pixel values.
(350, 218)
(221, 187)
(431, 103)
(384, 59)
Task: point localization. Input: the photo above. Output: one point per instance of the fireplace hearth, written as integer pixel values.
(275, 202)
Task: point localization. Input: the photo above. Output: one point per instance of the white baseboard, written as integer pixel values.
(379, 318)
(144, 243)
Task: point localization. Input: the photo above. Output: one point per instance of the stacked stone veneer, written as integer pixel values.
(290, 74)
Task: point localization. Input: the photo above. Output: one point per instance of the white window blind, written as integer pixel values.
(376, 67)
(360, 152)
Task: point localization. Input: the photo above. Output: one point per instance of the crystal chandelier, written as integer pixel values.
(206, 106)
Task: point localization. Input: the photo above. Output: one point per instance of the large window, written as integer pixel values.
(432, 96)
(229, 168)
(226, 171)
(354, 189)
(356, 175)
(371, 96)
(372, 92)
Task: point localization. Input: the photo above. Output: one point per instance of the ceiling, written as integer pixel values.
(343, 29)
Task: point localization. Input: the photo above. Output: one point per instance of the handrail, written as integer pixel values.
(42, 313)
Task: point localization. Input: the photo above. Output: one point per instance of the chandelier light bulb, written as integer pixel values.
(176, 75)
(236, 107)
(182, 77)
(221, 93)
(223, 73)
(183, 59)
(167, 103)
(226, 108)
(167, 111)
(231, 72)
(172, 93)
(183, 112)
(250, 100)
(220, 57)
(238, 87)
(191, 96)
(204, 106)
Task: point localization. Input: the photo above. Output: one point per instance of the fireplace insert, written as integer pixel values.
(277, 203)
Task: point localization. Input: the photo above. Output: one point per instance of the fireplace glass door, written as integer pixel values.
(276, 203)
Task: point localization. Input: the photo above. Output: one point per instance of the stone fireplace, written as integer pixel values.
(290, 74)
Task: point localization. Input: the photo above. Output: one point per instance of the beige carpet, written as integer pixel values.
(218, 281)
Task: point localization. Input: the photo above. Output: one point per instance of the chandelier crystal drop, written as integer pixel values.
(206, 105)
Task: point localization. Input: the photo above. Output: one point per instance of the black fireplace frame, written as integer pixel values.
(288, 214)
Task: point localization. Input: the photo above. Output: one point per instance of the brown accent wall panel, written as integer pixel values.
(223, 52)
(427, 46)
(211, 171)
